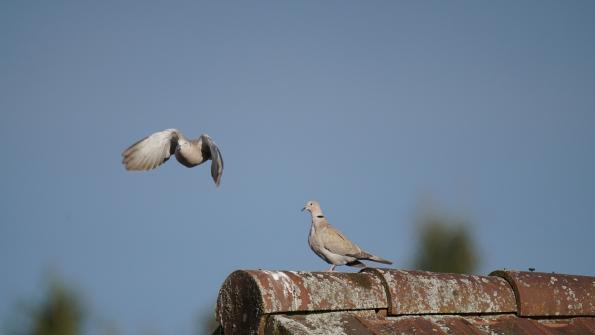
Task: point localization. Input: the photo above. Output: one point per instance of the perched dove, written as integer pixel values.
(155, 149)
(331, 245)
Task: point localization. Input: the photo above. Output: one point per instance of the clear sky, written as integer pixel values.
(488, 108)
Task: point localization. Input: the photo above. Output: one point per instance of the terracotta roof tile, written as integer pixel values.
(389, 301)
(247, 295)
(422, 292)
(549, 294)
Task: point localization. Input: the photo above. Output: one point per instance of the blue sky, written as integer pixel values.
(486, 108)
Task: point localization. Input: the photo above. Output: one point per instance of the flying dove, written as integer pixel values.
(155, 149)
(331, 245)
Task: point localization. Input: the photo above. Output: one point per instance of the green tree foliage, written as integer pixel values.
(445, 244)
(60, 312)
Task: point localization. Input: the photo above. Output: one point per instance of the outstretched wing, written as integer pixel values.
(151, 151)
(216, 159)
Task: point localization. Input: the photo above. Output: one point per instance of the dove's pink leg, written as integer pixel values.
(331, 269)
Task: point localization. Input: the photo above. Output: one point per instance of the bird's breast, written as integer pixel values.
(313, 239)
(189, 157)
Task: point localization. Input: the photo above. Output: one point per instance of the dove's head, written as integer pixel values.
(312, 207)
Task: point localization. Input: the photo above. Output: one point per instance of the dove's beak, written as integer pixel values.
(303, 209)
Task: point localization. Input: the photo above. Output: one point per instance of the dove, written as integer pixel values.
(155, 149)
(331, 245)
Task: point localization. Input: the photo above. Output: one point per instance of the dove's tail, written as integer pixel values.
(371, 257)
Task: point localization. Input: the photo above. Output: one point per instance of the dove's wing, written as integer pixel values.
(151, 151)
(335, 242)
(216, 159)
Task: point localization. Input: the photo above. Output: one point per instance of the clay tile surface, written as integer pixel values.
(247, 295)
(490, 325)
(422, 292)
(351, 324)
(388, 301)
(550, 294)
(324, 323)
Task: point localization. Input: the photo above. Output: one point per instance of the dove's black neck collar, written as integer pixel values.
(320, 216)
